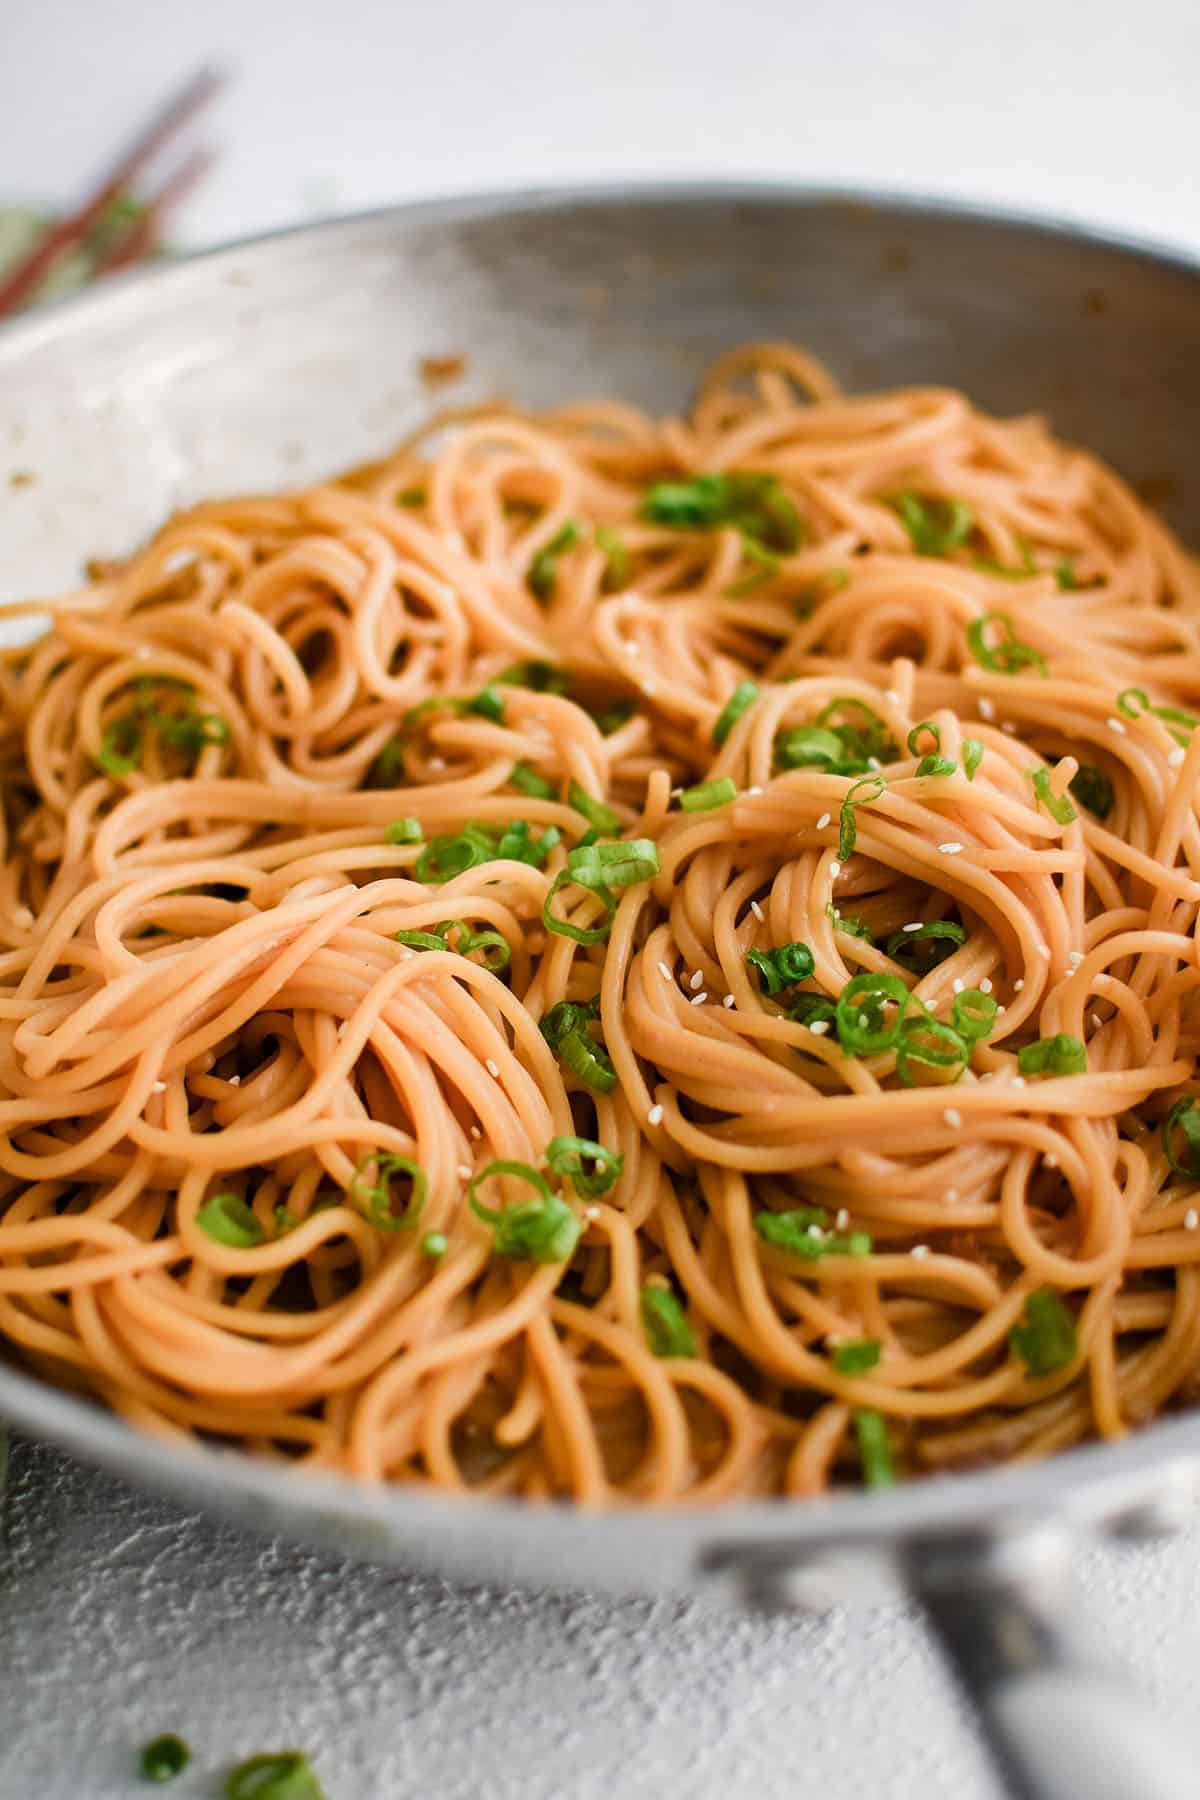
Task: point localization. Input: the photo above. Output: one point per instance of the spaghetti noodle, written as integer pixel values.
(628, 960)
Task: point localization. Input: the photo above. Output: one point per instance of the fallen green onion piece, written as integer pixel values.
(810, 747)
(613, 717)
(275, 1775)
(616, 551)
(1184, 1117)
(707, 795)
(814, 1009)
(121, 746)
(937, 765)
(929, 1043)
(874, 1448)
(525, 778)
(435, 1244)
(766, 565)
(163, 1758)
(665, 1323)
(757, 504)
(1065, 575)
(973, 1014)
(1009, 655)
(914, 747)
(1169, 715)
(228, 1220)
(389, 764)
(935, 525)
(847, 922)
(422, 940)
(1057, 805)
(445, 857)
(543, 570)
(1093, 790)
(930, 943)
(570, 1156)
(863, 1026)
(1047, 1339)
(403, 831)
(782, 967)
(488, 704)
(377, 1200)
(580, 934)
(857, 1355)
(1058, 1055)
(602, 817)
(540, 676)
(742, 698)
(972, 756)
(517, 844)
(868, 789)
(617, 865)
(542, 1230)
(798, 1234)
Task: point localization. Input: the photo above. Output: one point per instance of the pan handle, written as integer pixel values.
(1060, 1722)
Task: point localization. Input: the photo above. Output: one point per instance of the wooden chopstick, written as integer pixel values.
(145, 232)
(67, 233)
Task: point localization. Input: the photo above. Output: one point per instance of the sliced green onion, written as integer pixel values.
(121, 746)
(571, 1156)
(403, 831)
(618, 865)
(435, 1244)
(846, 922)
(814, 1009)
(765, 563)
(937, 765)
(783, 967)
(163, 1758)
(1065, 575)
(1093, 790)
(228, 1220)
(190, 731)
(376, 1201)
(935, 525)
(389, 764)
(580, 934)
(1058, 1055)
(756, 503)
(488, 704)
(276, 1775)
(799, 1234)
(445, 857)
(930, 1044)
(492, 947)
(616, 551)
(594, 811)
(613, 717)
(567, 1028)
(809, 747)
(874, 1448)
(707, 795)
(525, 778)
(665, 1323)
(518, 844)
(1170, 715)
(542, 1230)
(423, 940)
(868, 789)
(972, 756)
(864, 1027)
(543, 570)
(930, 944)
(1184, 1118)
(856, 1355)
(973, 1014)
(540, 676)
(1057, 805)
(742, 698)
(1126, 699)
(1048, 1338)
(1009, 655)
(863, 737)
(914, 747)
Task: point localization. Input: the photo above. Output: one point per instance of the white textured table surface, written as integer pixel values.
(119, 1617)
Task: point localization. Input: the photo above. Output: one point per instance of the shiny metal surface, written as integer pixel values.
(277, 361)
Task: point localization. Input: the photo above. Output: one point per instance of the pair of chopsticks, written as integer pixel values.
(141, 232)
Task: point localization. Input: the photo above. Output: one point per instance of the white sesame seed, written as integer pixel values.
(729, 1001)
(843, 1218)
(873, 762)
(952, 1196)
(591, 1212)
(835, 869)
(437, 762)
(919, 1252)
(1050, 1161)
(1018, 1081)
(1001, 1008)
(891, 695)
(464, 1171)
(235, 1081)
(958, 984)
(819, 1027)
(654, 1116)
(1075, 957)
(987, 707)
(1176, 757)
(823, 821)
(697, 980)
(757, 910)
(914, 927)
(1191, 1219)
(952, 1117)
(664, 971)
(697, 999)
(159, 1087)
(493, 1068)
(1018, 984)
(754, 790)
(650, 688)
(675, 793)
(1044, 950)
(1095, 1021)
(950, 849)
(632, 647)
(1115, 725)
(476, 1133)
(814, 1231)
(985, 986)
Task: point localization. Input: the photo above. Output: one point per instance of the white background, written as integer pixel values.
(124, 1619)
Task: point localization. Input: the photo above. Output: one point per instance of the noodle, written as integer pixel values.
(796, 802)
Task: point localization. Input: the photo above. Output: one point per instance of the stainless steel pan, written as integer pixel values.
(279, 360)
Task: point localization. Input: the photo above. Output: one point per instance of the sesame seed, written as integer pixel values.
(953, 1196)
(1009, 725)
(987, 707)
(985, 986)
(493, 1068)
(1044, 950)
(1191, 1219)
(819, 1027)
(650, 688)
(235, 1081)
(1075, 957)
(675, 793)
(664, 971)
(958, 984)
(891, 695)
(632, 647)
(913, 927)
(1018, 1081)
(697, 980)
(843, 1218)
(464, 1171)
(1176, 757)
(757, 910)
(654, 1116)
(591, 1212)
(919, 1252)
(814, 1231)
(952, 1117)
(873, 762)
(697, 999)
(143, 652)
(835, 869)
(823, 821)
(437, 762)
(476, 1133)
(754, 790)
(159, 1087)
(1095, 1021)
(729, 1001)
(950, 849)
(1115, 725)
(1018, 984)
(1050, 1161)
